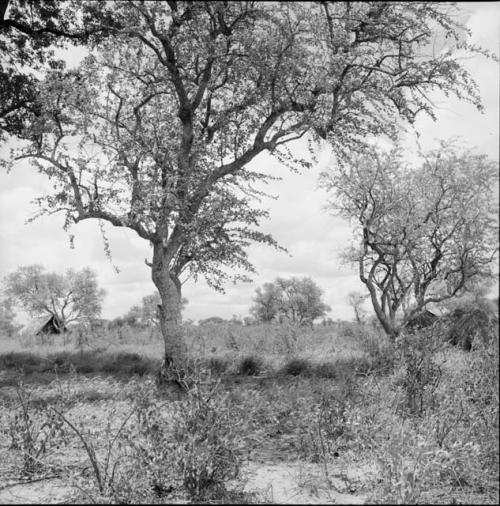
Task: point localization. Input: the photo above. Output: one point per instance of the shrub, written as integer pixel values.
(105, 469)
(32, 428)
(297, 366)
(250, 366)
(194, 444)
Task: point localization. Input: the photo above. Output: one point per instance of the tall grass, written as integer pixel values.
(223, 346)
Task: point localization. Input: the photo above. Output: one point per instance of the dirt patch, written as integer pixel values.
(300, 483)
(47, 491)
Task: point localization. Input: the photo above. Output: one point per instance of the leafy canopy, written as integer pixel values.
(155, 130)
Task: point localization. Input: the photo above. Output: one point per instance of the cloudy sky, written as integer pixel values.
(298, 220)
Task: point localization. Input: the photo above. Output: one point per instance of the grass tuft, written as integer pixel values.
(297, 366)
(250, 366)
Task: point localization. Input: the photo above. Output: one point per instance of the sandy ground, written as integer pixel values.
(270, 480)
(294, 483)
(297, 483)
(48, 491)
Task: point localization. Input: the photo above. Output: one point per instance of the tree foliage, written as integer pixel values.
(7, 318)
(297, 300)
(155, 130)
(30, 31)
(71, 297)
(426, 233)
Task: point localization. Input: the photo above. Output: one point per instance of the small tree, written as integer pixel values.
(297, 300)
(74, 296)
(426, 233)
(356, 301)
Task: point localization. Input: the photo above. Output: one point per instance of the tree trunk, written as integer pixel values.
(388, 324)
(169, 314)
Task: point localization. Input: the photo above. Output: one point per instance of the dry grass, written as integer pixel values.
(322, 400)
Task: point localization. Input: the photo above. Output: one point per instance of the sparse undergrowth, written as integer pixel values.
(425, 420)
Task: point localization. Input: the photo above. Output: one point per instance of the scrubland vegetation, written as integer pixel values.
(350, 417)
(154, 131)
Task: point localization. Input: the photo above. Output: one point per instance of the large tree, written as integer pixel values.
(156, 129)
(71, 297)
(426, 234)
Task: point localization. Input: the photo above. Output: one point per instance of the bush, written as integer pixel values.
(250, 366)
(32, 428)
(193, 445)
(297, 366)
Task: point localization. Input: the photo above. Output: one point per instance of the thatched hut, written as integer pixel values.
(422, 320)
(44, 325)
(478, 320)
